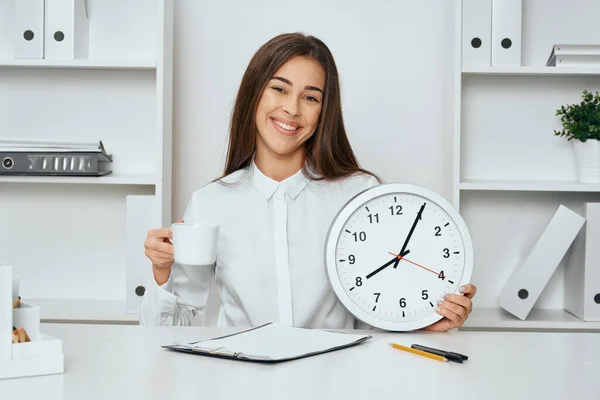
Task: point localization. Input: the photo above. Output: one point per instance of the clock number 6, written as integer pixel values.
(403, 302)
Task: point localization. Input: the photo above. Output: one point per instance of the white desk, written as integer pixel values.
(127, 362)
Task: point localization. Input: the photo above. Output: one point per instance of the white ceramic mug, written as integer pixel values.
(195, 243)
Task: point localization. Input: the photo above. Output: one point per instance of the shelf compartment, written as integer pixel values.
(112, 179)
(538, 319)
(79, 63)
(527, 186)
(84, 311)
(531, 70)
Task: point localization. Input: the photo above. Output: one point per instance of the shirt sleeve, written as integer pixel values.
(185, 294)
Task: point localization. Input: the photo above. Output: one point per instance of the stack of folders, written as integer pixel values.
(574, 55)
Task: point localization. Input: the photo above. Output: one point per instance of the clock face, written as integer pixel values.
(393, 251)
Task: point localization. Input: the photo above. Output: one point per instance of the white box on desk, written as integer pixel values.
(582, 276)
(67, 29)
(528, 280)
(28, 29)
(28, 317)
(42, 356)
(477, 32)
(507, 17)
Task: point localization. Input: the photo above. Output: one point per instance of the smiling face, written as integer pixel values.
(289, 108)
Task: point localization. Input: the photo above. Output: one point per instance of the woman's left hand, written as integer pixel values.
(455, 308)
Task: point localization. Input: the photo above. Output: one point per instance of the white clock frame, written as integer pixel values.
(357, 202)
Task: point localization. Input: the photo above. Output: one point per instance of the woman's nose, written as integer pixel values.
(291, 107)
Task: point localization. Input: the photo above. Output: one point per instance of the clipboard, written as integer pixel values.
(271, 343)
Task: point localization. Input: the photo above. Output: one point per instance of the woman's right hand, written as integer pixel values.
(159, 250)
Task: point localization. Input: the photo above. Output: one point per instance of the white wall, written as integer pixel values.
(397, 96)
(395, 59)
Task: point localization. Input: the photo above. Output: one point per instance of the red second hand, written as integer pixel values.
(412, 262)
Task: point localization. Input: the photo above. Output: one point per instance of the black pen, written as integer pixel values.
(451, 356)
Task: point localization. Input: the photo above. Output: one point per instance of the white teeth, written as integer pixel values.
(285, 126)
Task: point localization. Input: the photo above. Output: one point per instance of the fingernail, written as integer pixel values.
(437, 309)
(440, 302)
(461, 289)
(446, 296)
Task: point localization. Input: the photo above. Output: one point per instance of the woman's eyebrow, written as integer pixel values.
(287, 81)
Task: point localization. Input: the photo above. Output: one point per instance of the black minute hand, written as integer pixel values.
(404, 252)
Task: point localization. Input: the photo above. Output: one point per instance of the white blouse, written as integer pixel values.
(269, 264)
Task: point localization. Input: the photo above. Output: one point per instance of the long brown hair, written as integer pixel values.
(327, 152)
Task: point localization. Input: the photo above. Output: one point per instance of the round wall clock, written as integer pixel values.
(393, 251)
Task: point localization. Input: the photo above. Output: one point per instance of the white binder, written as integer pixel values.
(582, 276)
(142, 215)
(67, 29)
(29, 29)
(476, 32)
(529, 278)
(507, 18)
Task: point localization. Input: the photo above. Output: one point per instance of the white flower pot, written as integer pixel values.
(587, 158)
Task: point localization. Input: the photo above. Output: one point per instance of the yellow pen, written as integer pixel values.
(419, 352)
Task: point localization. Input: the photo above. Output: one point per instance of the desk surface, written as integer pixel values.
(127, 362)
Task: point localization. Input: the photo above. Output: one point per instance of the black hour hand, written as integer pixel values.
(384, 266)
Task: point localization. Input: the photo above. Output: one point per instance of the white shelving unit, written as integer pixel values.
(510, 171)
(66, 236)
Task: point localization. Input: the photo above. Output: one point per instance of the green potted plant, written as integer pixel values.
(581, 124)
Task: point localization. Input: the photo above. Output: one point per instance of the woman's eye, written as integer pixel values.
(278, 89)
(311, 98)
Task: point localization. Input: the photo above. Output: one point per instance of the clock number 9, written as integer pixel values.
(403, 302)
(351, 258)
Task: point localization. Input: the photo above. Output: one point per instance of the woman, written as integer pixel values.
(289, 169)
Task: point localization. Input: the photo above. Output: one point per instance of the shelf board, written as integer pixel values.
(112, 179)
(531, 70)
(533, 186)
(83, 64)
(83, 311)
(538, 319)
